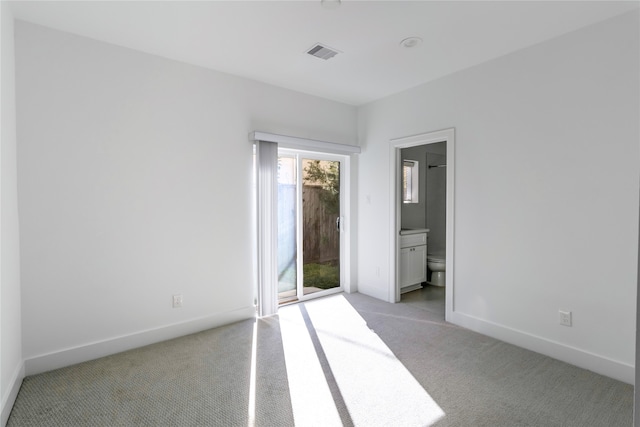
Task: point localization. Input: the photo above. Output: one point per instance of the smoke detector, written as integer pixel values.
(323, 52)
(410, 42)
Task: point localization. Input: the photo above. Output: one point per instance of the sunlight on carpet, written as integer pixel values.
(374, 385)
(252, 377)
(310, 395)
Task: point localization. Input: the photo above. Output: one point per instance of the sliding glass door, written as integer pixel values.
(309, 225)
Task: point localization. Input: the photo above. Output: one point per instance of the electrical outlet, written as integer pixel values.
(177, 301)
(565, 318)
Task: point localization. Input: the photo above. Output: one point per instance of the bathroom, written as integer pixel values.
(424, 185)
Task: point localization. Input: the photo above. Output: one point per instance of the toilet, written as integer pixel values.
(436, 262)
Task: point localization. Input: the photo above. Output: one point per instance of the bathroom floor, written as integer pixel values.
(430, 298)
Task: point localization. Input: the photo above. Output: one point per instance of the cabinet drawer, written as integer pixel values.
(409, 240)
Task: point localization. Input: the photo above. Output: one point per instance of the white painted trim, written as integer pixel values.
(315, 295)
(296, 143)
(345, 215)
(572, 355)
(345, 226)
(9, 397)
(448, 136)
(393, 294)
(94, 350)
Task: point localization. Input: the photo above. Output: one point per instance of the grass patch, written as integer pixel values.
(323, 276)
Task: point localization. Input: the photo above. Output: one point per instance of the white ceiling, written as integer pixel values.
(267, 40)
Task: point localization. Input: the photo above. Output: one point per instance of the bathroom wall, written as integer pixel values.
(414, 214)
(436, 197)
(430, 211)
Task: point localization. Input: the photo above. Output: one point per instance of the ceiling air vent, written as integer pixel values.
(322, 52)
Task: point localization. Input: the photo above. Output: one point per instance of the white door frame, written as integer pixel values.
(266, 268)
(448, 136)
(345, 248)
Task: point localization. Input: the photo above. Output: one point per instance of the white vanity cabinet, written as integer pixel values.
(413, 260)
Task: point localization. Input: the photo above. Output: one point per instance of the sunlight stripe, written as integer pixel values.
(252, 378)
(377, 388)
(311, 399)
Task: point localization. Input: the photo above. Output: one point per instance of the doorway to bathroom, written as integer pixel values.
(409, 214)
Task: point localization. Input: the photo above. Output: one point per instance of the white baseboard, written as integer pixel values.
(574, 356)
(94, 350)
(9, 397)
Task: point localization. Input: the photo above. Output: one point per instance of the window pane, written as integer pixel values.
(287, 252)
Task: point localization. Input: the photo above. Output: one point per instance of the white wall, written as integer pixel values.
(135, 183)
(11, 365)
(546, 192)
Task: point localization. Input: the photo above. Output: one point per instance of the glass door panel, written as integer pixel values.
(309, 218)
(321, 225)
(287, 229)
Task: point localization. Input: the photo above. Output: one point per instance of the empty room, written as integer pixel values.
(319, 212)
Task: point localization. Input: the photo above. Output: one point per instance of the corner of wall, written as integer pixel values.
(9, 398)
(12, 367)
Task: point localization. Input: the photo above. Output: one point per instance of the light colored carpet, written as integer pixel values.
(480, 381)
(348, 359)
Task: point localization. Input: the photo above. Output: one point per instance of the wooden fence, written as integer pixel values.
(321, 243)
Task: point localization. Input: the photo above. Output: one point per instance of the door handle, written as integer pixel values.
(338, 224)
